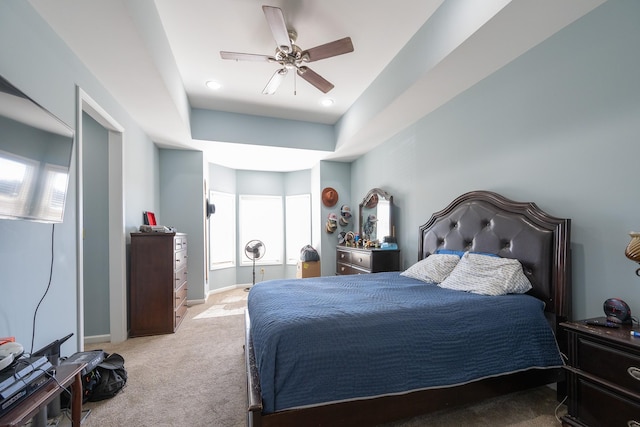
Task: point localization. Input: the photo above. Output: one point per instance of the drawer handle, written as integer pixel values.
(635, 374)
(632, 423)
(359, 259)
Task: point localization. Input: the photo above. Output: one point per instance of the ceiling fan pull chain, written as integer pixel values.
(295, 87)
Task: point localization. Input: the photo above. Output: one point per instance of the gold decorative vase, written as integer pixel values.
(633, 249)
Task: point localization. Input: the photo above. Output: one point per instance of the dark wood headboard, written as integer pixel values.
(483, 221)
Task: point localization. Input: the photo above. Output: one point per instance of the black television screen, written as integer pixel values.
(35, 157)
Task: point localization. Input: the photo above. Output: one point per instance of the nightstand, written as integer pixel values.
(603, 375)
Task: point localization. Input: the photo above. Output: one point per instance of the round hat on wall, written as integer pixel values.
(329, 197)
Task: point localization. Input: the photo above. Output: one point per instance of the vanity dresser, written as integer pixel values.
(375, 224)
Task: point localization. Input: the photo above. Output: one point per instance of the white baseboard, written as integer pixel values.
(192, 302)
(97, 339)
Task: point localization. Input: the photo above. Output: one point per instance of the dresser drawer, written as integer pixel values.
(343, 257)
(179, 277)
(180, 296)
(599, 406)
(344, 269)
(180, 313)
(609, 363)
(361, 259)
(350, 269)
(181, 260)
(180, 243)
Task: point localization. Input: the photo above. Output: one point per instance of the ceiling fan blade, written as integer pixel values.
(275, 81)
(328, 50)
(275, 19)
(315, 79)
(246, 57)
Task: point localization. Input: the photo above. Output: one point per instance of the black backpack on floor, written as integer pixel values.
(106, 380)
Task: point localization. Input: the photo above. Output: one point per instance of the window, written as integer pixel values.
(261, 218)
(222, 231)
(54, 187)
(17, 182)
(298, 227)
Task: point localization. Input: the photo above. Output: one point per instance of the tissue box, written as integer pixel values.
(308, 269)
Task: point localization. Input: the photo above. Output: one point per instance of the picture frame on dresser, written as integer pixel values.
(149, 218)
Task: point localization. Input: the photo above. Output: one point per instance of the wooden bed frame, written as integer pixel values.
(478, 221)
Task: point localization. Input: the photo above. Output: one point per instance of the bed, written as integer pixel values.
(368, 349)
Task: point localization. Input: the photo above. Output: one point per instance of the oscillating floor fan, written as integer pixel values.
(254, 250)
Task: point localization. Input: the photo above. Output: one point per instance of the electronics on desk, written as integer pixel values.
(157, 229)
(91, 358)
(24, 377)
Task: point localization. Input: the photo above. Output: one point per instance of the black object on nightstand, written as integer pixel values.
(603, 375)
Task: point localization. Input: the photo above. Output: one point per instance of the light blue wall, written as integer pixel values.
(35, 60)
(182, 202)
(246, 129)
(298, 182)
(559, 126)
(336, 175)
(95, 180)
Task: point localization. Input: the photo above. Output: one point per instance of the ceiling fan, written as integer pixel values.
(290, 56)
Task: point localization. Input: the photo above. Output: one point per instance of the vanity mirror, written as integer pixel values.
(376, 215)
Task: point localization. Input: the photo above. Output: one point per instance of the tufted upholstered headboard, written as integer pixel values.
(483, 221)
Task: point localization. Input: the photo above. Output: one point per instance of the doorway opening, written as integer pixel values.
(115, 218)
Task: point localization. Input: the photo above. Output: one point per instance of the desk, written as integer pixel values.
(66, 375)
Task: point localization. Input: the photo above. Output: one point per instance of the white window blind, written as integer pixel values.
(261, 218)
(222, 231)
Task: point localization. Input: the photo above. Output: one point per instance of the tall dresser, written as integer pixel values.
(158, 289)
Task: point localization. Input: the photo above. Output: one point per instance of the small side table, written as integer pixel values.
(66, 375)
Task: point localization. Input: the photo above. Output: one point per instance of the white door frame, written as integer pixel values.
(117, 237)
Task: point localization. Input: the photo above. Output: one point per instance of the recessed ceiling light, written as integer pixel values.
(213, 85)
(327, 102)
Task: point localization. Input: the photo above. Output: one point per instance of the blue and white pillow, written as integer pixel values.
(487, 275)
(433, 269)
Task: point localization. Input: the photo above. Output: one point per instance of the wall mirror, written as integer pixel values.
(376, 215)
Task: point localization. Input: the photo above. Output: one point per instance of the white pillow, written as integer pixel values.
(433, 269)
(487, 275)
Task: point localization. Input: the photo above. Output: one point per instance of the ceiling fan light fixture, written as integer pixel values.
(275, 81)
(213, 85)
(327, 102)
(291, 56)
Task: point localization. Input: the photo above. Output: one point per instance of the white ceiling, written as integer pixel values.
(155, 57)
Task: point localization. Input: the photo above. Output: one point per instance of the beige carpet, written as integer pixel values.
(195, 377)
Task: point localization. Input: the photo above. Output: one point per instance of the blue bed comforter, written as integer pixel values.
(329, 339)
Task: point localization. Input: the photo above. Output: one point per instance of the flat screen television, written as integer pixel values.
(35, 157)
